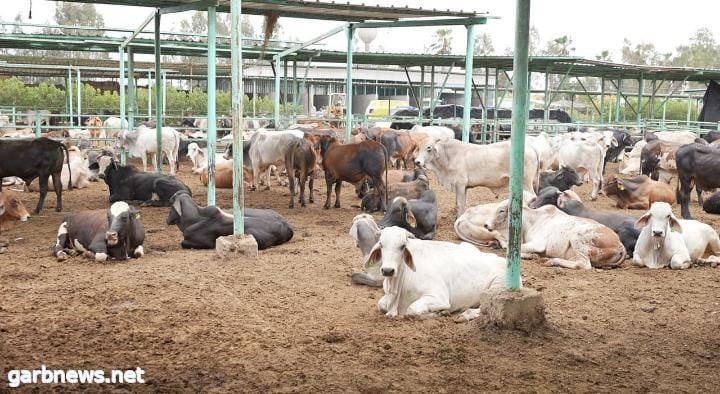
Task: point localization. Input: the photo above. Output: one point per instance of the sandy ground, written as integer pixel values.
(290, 321)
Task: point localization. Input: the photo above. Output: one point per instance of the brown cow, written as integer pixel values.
(637, 193)
(301, 163)
(399, 144)
(224, 176)
(657, 160)
(93, 123)
(13, 209)
(410, 190)
(352, 163)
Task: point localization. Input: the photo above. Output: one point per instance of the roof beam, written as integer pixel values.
(195, 6)
(138, 30)
(477, 20)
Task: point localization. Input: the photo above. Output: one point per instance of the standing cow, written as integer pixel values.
(143, 141)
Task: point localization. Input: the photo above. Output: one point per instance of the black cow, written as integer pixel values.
(201, 227)
(698, 167)
(102, 234)
(711, 136)
(39, 158)
(712, 204)
(419, 216)
(623, 141)
(127, 183)
(563, 179)
(622, 225)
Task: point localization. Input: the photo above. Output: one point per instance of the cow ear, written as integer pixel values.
(621, 184)
(134, 212)
(643, 221)
(374, 257)
(410, 218)
(408, 258)
(675, 224)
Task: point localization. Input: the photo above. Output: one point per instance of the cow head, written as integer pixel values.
(13, 206)
(661, 220)
(120, 220)
(547, 196)
(399, 214)
(326, 141)
(111, 174)
(613, 185)
(93, 121)
(391, 252)
(427, 153)
(176, 210)
(227, 154)
(568, 176)
(499, 219)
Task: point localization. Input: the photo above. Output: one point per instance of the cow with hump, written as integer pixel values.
(103, 234)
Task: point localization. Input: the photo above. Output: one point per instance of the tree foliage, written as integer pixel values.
(442, 42)
(483, 45)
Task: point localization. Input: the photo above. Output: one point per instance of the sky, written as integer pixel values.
(594, 25)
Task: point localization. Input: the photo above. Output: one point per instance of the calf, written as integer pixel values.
(373, 201)
(143, 141)
(201, 227)
(115, 233)
(300, 162)
(637, 193)
(127, 183)
(39, 158)
(568, 241)
(365, 232)
(664, 240)
(417, 216)
(224, 176)
(563, 179)
(199, 156)
(13, 209)
(425, 278)
(353, 163)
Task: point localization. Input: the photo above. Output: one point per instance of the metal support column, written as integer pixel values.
(641, 87)
(467, 93)
(132, 99)
(432, 87)
(618, 96)
(517, 145)
(149, 96)
(294, 90)
(285, 93)
(70, 96)
(164, 94)
(349, 83)
(484, 109)
(237, 118)
(546, 99)
(652, 97)
(79, 99)
(602, 99)
(158, 95)
(211, 107)
(421, 115)
(121, 82)
(276, 107)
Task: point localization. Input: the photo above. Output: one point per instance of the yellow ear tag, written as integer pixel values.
(621, 186)
(137, 215)
(372, 263)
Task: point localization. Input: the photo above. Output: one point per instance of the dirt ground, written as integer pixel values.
(290, 321)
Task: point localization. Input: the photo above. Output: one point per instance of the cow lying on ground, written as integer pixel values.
(102, 234)
(201, 227)
(622, 225)
(637, 193)
(143, 141)
(417, 216)
(712, 204)
(564, 178)
(13, 209)
(425, 278)
(29, 159)
(460, 165)
(127, 183)
(224, 176)
(373, 202)
(365, 232)
(665, 240)
(568, 241)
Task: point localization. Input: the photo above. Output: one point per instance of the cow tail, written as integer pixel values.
(385, 151)
(176, 150)
(67, 155)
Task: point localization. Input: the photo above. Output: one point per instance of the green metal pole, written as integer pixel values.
(164, 94)
(158, 94)
(349, 83)
(467, 93)
(70, 95)
(38, 132)
(602, 99)
(641, 87)
(517, 144)
(617, 100)
(294, 90)
(421, 115)
(276, 109)
(132, 102)
(652, 98)
(689, 104)
(79, 99)
(237, 118)
(67, 95)
(211, 107)
(484, 110)
(496, 131)
(285, 93)
(432, 88)
(121, 59)
(149, 95)
(546, 99)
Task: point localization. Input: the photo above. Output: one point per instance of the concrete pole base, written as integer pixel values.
(232, 246)
(522, 310)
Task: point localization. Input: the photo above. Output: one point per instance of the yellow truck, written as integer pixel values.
(380, 109)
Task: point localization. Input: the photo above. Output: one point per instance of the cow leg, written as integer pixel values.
(572, 264)
(699, 192)
(595, 178)
(427, 306)
(680, 261)
(57, 183)
(683, 195)
(328, 182)
(171, 161)
(98, 249)
(59, 249)
(267, 178)
(143, 156)
(43, 180)
(303, 179)
(338, 186)
(460, 198)
(311, 184)
(291, 186)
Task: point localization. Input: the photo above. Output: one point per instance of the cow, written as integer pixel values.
(224, 176)
(564, 179)
(268, 148)
(658, 157)
(127, 183)
(437, 133)
(201, 227)
(13, 209)
(567, 201)
(541, 144)
(399, 145)
(417, 216)
(114, 125)
(712, 204)
(198, 156)
(678, 137)
(78, 168)
(200, 123)
(38, 158)
(228, 153)
(425, 278)
(373, 201)
(631, 160)
(365, 232)
(184, 150)
(711, 136)
(664, 240)
(622, 141)
(143, 141)
(568, 241)
(301, 163)
(638, 192)
(584, 155)
(116, 233)
(94, 125)
(459, 166)
(353, 163)
(698, 166)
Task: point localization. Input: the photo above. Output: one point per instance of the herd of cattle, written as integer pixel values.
(390, 171)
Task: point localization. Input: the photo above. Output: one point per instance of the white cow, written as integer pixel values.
(470, 226)
(79, 172)
(584, 155)
(544, 149)
(631, 160)
(113, 126)
(664, 240)
(679, 137)
(460, 165)
(143, 141)
(435, 132)
(424, 278)
(198, 156)
(569, 241)
(365, 232)
(268, 148)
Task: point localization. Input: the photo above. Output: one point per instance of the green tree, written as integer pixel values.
(561, 46)
(643, 53)
(483, 45)
(442, 44)
(703, 51)
(604, 56)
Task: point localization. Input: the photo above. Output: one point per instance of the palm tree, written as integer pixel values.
(443, 42)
